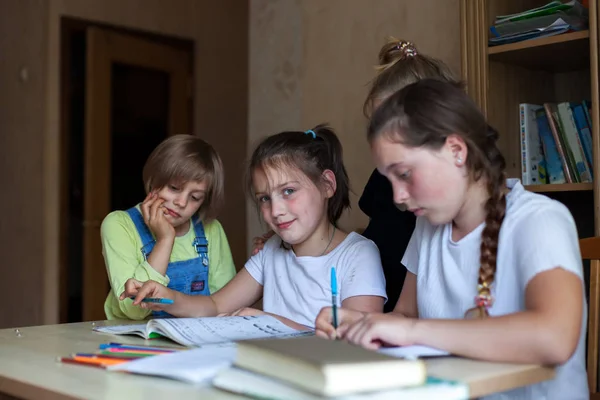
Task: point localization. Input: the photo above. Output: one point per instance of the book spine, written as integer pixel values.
(573, 142)
(532, 155)
(559, 143)
(554, 167)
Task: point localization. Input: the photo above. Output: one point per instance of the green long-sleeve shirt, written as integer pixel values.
(121, 246)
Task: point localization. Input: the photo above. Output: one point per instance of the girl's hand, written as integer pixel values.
(154, 216)
(131, 288)
(243, 312)
(346, 318)
(376, 330)
(259, 242)
(141, 290)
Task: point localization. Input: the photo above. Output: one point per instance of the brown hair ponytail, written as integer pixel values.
(400, 64)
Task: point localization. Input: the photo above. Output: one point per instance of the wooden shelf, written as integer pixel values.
(560, 53)
(560, 187)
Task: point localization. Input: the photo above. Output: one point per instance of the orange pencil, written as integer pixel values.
(67, 360)
(99, 360)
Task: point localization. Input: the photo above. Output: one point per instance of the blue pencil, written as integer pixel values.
(105, 346)
(334, 297)
(154, 300)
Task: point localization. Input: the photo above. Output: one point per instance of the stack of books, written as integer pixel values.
(314, 368)
(556, 143)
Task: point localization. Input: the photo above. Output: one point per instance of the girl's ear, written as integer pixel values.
(457, 149)
(329, 183)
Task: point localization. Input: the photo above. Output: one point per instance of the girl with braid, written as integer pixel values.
(494, 271)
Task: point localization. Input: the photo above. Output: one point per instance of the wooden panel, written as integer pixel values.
(97, 171)
(565, 187)
(147, 54)
(105, 48)
(572, 86)
(542, 53)
(594, 301)
(474, 50)
(593, 331)
(595, 96)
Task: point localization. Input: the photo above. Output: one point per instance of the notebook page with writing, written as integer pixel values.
(213, 330)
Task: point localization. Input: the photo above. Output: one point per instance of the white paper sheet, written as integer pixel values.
(194, 366)
(412, 352)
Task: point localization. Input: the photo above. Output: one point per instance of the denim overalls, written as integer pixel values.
(189, 276)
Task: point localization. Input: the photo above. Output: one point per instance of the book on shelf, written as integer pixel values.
(533, 164)
(563, 133)
(207, 331)
(328, 367)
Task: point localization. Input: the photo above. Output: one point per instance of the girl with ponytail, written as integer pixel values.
(300, 186)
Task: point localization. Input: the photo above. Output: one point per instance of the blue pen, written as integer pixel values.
(334, 297)
(104, 346)
(154, 300)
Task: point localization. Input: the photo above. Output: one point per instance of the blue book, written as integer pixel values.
(554, 167)
(583, 129)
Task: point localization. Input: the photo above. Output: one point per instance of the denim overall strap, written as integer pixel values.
(190, 277)
(148, 240)
(200, 242)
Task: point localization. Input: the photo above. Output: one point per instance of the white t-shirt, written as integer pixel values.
(299, 287)
(537, 234)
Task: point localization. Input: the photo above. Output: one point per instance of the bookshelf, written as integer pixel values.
(562, 187)
(552, 69)
(541, 54)
(561, 68)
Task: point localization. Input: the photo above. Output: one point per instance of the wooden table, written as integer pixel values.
(29, 369)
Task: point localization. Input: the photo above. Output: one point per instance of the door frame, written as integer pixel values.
(109, 45)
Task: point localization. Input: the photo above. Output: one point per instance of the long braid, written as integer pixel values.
(495, 209)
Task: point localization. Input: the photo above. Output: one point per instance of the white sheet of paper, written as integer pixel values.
(412, 351)
(196, 366)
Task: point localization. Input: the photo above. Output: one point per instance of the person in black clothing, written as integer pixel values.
(385, 218)
(390, 226)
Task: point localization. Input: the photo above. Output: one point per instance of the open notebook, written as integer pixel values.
(209, 330)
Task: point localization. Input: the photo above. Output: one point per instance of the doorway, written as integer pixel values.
(122, 93)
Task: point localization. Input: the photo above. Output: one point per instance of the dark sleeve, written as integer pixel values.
(390, 229)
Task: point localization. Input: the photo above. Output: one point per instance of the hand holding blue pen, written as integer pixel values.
(154, 300)
(334, 297)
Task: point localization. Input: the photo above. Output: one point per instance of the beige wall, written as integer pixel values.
(311, 62)
(29, 125)
(22, 110)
